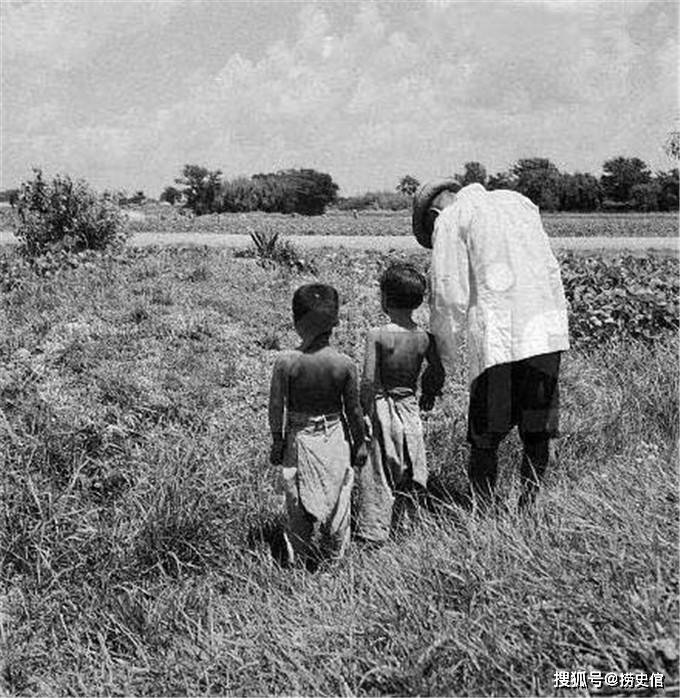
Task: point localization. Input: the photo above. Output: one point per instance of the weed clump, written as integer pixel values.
(272, 251)
(63, 215)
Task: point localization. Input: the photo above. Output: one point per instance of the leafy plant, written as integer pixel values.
(271, 250)
(628, 297)
(265, 242)
(65, 215)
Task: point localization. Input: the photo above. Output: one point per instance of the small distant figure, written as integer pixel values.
(395, 353)
(317, 430)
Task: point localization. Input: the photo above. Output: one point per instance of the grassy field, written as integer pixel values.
(155, 218)
(139, 502)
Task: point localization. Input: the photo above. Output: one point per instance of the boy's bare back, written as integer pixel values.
(318, 380)
(399, 353)
(394, 358)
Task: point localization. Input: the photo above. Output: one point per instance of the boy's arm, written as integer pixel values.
(354, 414)
(277, 406)
(369, 375)
(432, 381)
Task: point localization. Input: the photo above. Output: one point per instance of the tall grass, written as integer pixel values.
(138, 505)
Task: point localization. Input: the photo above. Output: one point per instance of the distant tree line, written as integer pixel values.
(303, 191)
(626, 184)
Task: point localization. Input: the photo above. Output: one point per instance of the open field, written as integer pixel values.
(312, 244)
(159, 219)
(380, 223)
(139, 501)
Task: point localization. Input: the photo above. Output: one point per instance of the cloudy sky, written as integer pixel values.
(125, 93)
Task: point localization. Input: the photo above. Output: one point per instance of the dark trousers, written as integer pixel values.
(521, 393)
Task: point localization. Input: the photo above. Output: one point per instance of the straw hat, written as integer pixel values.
(422, 201)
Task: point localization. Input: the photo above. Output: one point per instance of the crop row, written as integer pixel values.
(556, 225)
(165, 219)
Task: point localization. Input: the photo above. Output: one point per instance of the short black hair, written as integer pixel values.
(317, 305)
(404, 286)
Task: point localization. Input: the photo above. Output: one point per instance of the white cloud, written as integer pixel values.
(398, 88)
(60, 32)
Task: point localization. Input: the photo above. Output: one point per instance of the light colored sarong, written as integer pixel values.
(317, 481)
(397, 460)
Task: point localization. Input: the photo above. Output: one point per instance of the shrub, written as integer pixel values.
(65, 215)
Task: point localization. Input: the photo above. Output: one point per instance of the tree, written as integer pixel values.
(303, 191)
(501, 180)
(579, 192)
(408, 185)
(539, 180)
(272, 192)
(672, 145)
(620, 175)
(171, 194)
(240, 195)
(668, 183)
(474, 172)
(201, 188)
(645, 197)
(308, 191)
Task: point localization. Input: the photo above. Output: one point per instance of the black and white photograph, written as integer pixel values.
(339, 348)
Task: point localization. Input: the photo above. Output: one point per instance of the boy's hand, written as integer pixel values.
(276, 452)
(368, 428)
(360, 456)
(426, 402)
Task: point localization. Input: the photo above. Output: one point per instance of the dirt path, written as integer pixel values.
(666, 246)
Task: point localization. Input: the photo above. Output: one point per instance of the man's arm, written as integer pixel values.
(432, 381)
(450, 283)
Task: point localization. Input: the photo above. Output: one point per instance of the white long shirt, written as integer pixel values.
(493, 273)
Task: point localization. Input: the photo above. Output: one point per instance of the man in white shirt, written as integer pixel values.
(495, 280)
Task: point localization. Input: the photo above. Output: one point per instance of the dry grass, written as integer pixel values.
(138, 504)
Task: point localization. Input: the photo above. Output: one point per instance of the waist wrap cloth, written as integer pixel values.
(317, 481)
(397, 460)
